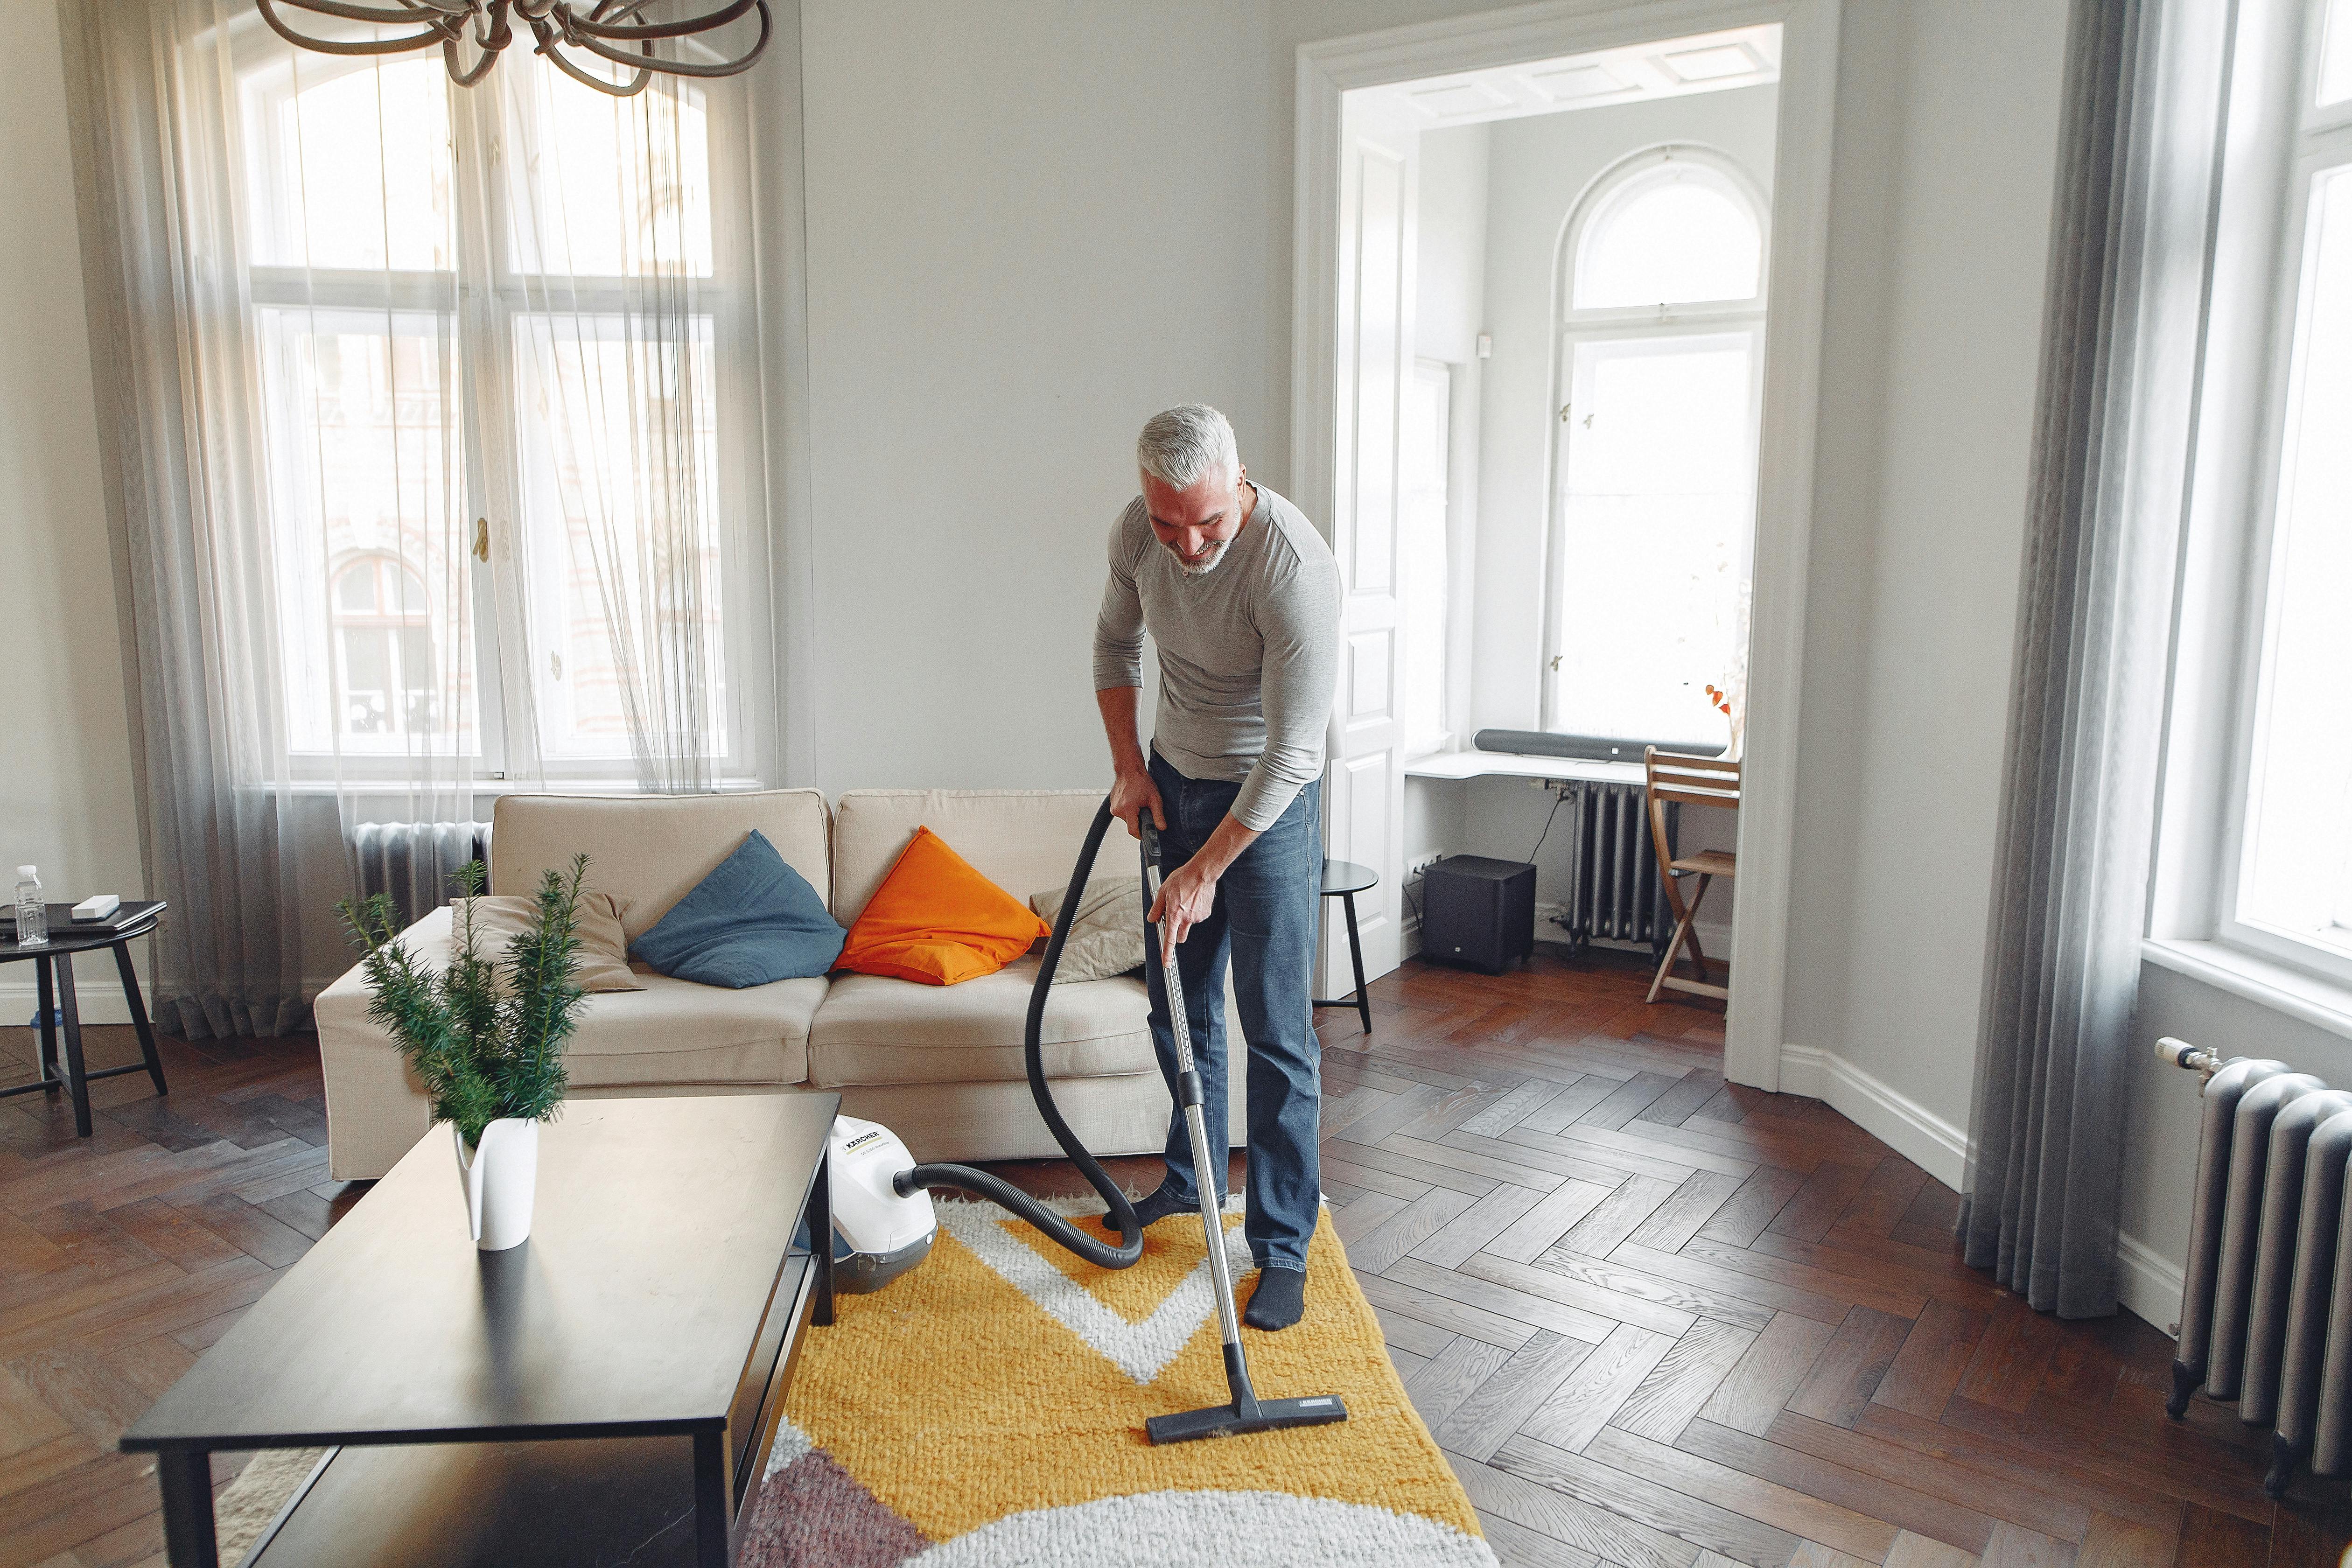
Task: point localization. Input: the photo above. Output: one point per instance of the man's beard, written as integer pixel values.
(1201, 569)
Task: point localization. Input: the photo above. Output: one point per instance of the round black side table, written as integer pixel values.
(1343, 880)
(53, 965)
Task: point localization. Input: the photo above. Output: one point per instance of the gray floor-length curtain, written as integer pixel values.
(2130, 244)
(182, 464)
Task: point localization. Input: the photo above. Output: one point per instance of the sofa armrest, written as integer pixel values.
(376, 1111)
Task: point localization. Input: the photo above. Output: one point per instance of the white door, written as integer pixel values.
(1364, 788)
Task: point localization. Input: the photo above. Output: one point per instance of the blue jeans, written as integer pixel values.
(1263, 923)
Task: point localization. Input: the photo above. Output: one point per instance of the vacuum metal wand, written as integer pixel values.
(1247, 1413)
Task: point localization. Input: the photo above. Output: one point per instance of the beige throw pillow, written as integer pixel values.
(498, 919)
(1106, 934)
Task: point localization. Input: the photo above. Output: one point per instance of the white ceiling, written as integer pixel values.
(1664, 68)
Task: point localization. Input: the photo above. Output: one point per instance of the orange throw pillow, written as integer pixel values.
(936, 921)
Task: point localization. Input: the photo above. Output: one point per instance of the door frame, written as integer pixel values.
(1800, 196)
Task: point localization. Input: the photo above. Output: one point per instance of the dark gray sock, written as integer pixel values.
(1157, 1207)
(1279, 1300)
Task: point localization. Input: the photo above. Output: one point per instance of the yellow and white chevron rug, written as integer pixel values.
(986, 1410)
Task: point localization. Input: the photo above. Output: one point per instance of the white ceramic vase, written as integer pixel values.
(501, 1176)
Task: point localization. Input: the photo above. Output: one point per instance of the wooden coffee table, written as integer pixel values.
(608, 1390)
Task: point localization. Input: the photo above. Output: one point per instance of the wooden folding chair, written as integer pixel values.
(1688, 781)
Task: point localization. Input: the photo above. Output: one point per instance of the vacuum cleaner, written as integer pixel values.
(884, 1224)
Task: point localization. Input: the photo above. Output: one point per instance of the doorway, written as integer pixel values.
(1573, 514)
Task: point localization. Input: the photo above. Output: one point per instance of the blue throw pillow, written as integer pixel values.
(752, 921)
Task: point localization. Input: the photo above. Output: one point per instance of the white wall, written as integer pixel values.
(1947, 137)
(1451, 239)
(1029, 228)
(67, 799)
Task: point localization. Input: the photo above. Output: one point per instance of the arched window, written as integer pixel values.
(1662, 269)
(383, 647)
(1674, 228)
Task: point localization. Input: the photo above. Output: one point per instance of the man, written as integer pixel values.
(1242, 597)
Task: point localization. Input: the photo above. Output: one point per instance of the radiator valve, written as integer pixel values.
(2181, 1054)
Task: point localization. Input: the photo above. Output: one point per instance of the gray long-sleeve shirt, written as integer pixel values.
(1247, 650)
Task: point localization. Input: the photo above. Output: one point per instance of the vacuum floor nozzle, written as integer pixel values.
(1232, 1420)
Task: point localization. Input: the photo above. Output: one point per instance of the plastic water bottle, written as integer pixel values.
(32, 915)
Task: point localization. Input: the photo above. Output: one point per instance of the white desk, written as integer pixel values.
(1513, 764)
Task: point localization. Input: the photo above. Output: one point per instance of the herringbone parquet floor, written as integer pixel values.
(1656, 1321)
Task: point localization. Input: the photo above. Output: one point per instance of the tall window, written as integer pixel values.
(383, 648)
(501, 343)
(2292, 892)
(1662, 313)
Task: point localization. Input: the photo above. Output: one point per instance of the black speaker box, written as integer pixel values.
(1478, 913)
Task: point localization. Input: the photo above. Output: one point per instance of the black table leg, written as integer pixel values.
(187, 1480)
(819, 1215)
(51, 1074)
(1355, 956)
(711, 1529)
(76, 1081)
(139, 1016)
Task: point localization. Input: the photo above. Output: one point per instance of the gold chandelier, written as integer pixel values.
(613, 30)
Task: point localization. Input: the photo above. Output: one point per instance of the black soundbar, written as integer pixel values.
(1591, 748)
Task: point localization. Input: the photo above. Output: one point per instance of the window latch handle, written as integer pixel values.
(482, 539)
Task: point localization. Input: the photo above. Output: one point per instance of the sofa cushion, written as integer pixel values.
(937, 921)
(672, 1032)
(603, 961)
(675, 1032)
(1106, 932)
(752, 921)
(652, 849)
(873, 1029)
(1021, 840)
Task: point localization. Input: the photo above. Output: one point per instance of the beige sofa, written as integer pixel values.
(941, 1066)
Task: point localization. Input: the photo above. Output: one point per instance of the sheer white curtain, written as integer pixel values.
(436, 417)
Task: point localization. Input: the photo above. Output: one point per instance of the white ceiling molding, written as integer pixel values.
(1707, 62)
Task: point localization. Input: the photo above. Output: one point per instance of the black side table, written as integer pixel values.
(1343, 880)
(53, 964)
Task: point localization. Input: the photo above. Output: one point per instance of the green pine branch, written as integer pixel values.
(481, 1052)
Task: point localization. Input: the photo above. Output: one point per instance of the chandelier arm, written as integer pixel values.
(457, 72)
(492, 30)
(679, 68)
(501, 35)
(432, 34)
(545, 32)
(589, 27)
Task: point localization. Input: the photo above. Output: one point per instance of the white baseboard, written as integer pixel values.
(2149, 1284)
(1886, 1113)
(98, 992)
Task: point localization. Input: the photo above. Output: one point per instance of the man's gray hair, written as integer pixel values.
(1185, 442)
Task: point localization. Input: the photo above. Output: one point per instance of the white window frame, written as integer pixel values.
(507, 746)
(1575, 327)
(2274, 143)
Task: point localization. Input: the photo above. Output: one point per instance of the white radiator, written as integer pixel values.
(2267, 1313)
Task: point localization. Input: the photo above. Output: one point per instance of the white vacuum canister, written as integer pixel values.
(876, 1235)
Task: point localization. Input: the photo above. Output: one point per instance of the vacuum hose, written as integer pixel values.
(995, 1189)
